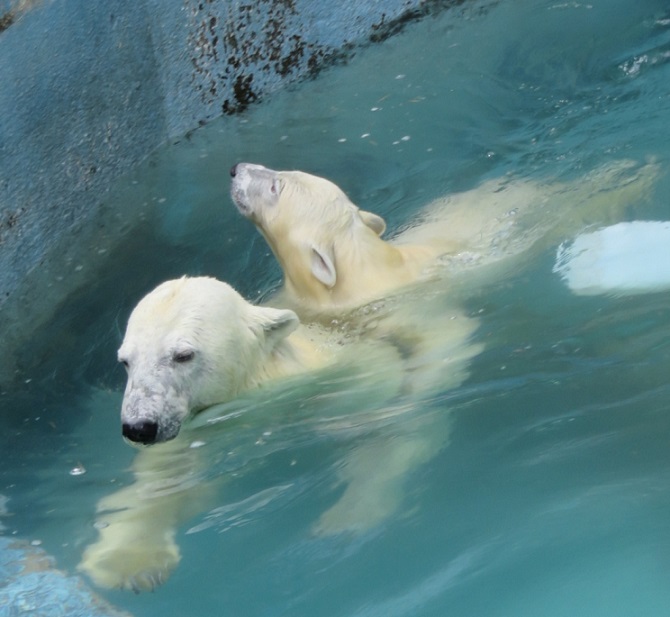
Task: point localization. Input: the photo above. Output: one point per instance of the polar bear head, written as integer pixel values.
(308, 221)
(192, 343)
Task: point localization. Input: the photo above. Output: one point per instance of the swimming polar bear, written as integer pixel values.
(338, 270)
(189, 344)
(195, 342)
(333, 257)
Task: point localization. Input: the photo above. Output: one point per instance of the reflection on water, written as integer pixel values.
(548, 495)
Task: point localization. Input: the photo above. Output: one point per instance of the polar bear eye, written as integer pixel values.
(125, 363)
(183, 356)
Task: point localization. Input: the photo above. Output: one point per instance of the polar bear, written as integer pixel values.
(194, 342)
(338, 270)
(189, 344)
(333, 257)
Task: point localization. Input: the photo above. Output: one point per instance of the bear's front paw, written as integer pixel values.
(135, 567)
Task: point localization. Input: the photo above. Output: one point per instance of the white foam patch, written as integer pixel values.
(623, 259)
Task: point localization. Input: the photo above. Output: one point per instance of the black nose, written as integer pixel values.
(140, 432)
(233, 171)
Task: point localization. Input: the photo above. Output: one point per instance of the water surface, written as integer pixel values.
(550, 495)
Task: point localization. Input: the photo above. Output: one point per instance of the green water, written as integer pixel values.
(549, 497)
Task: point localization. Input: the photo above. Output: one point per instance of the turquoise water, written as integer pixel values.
(549, 496)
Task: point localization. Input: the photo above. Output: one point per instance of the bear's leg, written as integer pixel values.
(136, 547)
(375, 476)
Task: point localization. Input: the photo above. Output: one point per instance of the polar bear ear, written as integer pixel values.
(277, 324)
(323, 266)
(373, 221)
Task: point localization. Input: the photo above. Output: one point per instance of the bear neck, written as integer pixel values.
(293, 355)
(371, 269)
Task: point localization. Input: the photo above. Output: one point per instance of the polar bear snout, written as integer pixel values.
(242, 168)
(149, 429)
(142, 431)
(153, 412)
(253, 187)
